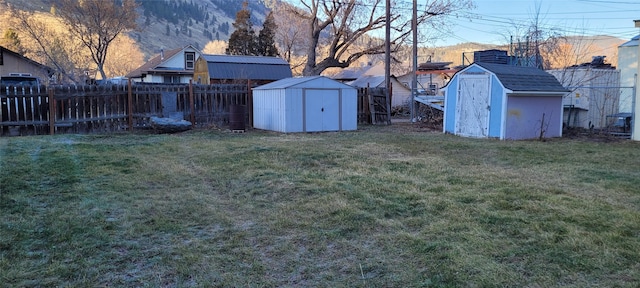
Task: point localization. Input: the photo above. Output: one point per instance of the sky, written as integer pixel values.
(493, 20)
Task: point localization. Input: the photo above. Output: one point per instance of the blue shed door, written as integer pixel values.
(472, 111)
(322, 110)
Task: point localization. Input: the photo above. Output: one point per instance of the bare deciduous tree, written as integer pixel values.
(97, 23)
(215, 47)
(46, 41)
(124, 57)
(343, 23)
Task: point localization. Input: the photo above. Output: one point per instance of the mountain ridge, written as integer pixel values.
(161, 29)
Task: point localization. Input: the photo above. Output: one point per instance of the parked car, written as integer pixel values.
(19, 79)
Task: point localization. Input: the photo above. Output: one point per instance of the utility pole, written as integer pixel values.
(635, 134)
(387, 60)
(414, 82)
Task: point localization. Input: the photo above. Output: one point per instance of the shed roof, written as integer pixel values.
(248, 67)
(296, 81)
(519, 78)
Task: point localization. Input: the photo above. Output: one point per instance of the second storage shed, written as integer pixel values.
(305, 104)
(503, 101)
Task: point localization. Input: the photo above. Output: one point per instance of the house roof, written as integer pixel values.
(376, 81)
(519, 78)
(368, 80)
(155, 63)
(48, 69)
(247, 67)
(631, 43)
(295, 81)
(351, 73)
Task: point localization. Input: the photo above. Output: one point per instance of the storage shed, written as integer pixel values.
(225, 69)
(305, 104)
(503, 101)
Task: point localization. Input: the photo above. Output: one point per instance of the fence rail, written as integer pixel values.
(41, 110)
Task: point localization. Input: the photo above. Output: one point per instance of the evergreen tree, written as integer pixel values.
(243, 40)
(168, 30)
(266, 42)
(11, 41)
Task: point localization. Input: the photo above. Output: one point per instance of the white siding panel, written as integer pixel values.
(294, 110)
(266, 108)
(349, 109)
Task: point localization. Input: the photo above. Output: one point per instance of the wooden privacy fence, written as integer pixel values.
(43, 110)
(372, 105)
(111, 108)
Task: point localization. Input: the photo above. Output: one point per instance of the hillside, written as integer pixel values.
(176, 23)
(173, 23)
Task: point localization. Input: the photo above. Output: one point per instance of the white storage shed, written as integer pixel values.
(305, 104)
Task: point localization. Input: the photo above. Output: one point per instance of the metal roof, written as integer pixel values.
(369, 81)
(295, 81)
(631, 43)
(247, 67)
(519, 78)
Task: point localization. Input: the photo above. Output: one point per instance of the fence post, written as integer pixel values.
(192, 104)
(372, 107)
(52, 111)
(130, 105)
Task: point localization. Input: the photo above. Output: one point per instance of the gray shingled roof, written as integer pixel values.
(247, 67)
(518, 78)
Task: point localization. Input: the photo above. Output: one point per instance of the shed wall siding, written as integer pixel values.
(495, 107)
(525, 113)
(268, 110)
(450, 104)
(349, 109)
(293, 110)
(627, 63)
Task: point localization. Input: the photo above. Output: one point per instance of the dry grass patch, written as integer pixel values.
(373, 208)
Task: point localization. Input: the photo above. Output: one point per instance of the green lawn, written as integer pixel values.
(377, 207)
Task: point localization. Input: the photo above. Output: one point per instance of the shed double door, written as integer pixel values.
(472, 110)
(321, 110)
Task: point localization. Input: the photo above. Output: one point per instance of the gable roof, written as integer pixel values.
(247, 67)
(350, 73)
(376, 81)
(49, 70)
(295, 81)
(519, 78)
(156, 62)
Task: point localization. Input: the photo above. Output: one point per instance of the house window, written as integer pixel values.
(171, 79)
(189, 60)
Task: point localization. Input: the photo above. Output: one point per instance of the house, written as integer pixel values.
(219, 69)
(595, 92)
(351, 73)
(430, 76)
(628, 66)
(305, 104)
(503, 101)
(375, 77)
(12, 63)
(172, 66)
